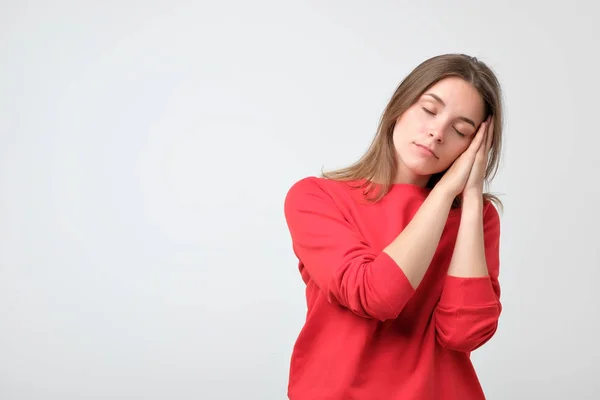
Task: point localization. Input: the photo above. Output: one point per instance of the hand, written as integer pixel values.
(474, 185)
(456, 177)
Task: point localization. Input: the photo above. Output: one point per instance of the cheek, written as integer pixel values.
(456, 150)
(417, 120)
(410, 125)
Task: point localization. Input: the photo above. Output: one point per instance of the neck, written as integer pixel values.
(405, 176)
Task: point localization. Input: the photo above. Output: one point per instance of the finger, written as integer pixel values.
(482, 147)
(479, 138)
(490, 136)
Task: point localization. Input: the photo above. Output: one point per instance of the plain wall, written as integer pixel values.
(146, 148)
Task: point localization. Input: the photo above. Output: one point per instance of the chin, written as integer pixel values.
(421, 168)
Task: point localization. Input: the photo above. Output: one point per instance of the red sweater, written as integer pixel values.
(368, 333)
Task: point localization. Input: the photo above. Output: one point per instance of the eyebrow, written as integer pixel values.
(437, 98)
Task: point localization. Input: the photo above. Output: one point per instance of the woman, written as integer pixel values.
(400, 251)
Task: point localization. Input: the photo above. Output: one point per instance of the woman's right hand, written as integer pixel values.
(454, 180)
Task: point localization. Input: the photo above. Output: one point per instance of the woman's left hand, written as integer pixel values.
(474, 185)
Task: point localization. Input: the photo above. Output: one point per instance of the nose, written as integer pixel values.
(437, 135)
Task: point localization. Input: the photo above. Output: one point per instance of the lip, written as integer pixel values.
(431, 152)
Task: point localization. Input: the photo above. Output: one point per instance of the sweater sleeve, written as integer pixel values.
(338, 259)
(467, 314)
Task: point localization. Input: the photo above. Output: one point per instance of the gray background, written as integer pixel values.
(146, 148)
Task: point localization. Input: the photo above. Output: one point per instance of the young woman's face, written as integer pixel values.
(437, 129)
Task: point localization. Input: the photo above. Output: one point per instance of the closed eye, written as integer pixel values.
(459, 132)
(432, 113)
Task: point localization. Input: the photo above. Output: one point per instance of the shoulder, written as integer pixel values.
(315, 191)
(490, 212)
(319, 186)
(491, 218)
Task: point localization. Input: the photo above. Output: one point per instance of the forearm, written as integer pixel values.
(467, 314)
(468, 258)
(415, 247)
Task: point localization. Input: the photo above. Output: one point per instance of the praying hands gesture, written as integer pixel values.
(466, 175)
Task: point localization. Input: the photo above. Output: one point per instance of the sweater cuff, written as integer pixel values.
(391, 282)
(468, 291)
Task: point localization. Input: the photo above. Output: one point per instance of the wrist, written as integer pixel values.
(472, 201)
(472, 195)
(445, 196)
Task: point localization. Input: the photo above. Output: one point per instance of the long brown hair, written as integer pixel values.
(377, 168)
